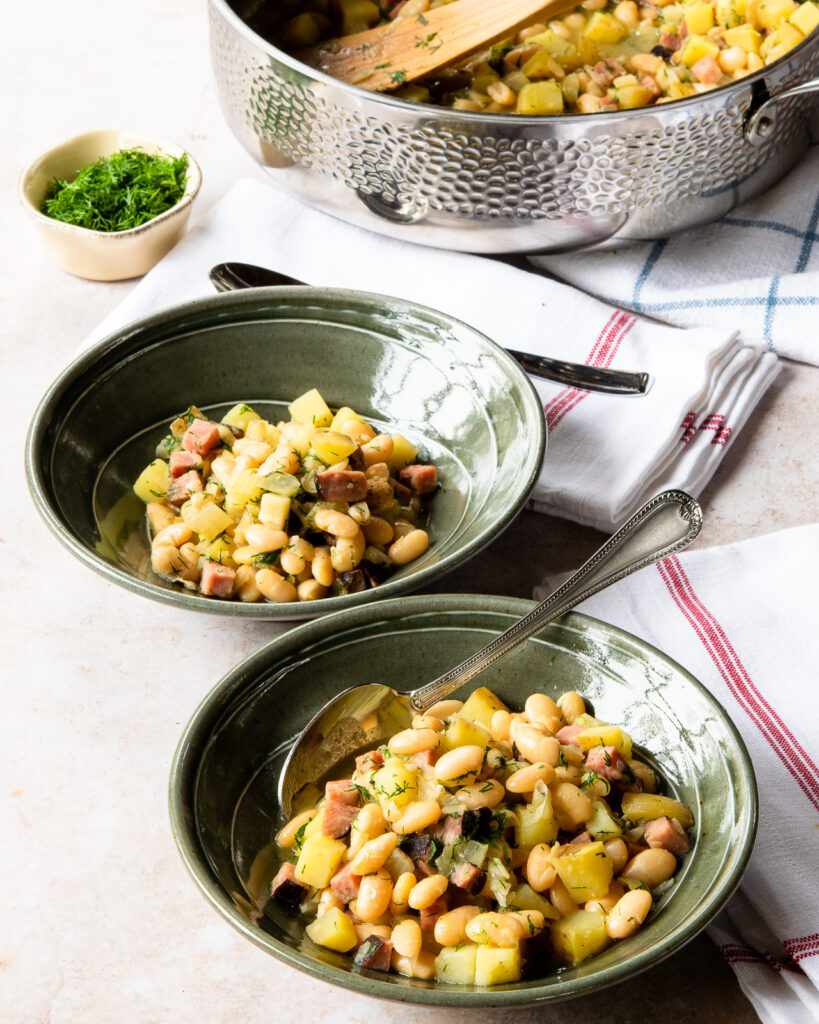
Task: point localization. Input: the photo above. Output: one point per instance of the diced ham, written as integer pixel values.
(607, 762)
(341, 485)
(217, 580)
(340, 808)
(184, 486)
(181, 462)
(286, 889)
(650, 82)
(343, 790)
(370, 761)
(568, 734)
(201, 436)
(421, 479)
(669, 41)
(707, 70)
(374, 953)
(667, 834)
(467, 877)
(429, 915)
(581, 839)
(605, 71)
(448, 830)
(423, 758)
(345, 884)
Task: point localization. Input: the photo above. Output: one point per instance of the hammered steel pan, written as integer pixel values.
(497, 183)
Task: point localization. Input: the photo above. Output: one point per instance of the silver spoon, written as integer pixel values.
(227, 277)
(365, 716)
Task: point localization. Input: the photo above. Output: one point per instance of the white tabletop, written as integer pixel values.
(99, 921)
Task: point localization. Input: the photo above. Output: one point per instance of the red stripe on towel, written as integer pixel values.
(603, 351)
(800, 949)
(784, 744)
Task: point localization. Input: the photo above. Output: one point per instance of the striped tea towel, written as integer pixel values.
(742, 620)
(756, 269)
(606, 454)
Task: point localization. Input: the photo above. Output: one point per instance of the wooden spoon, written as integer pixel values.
(387, 56)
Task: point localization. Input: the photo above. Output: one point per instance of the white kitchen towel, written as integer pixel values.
(742, 620)
(606, 454)
(756, 269)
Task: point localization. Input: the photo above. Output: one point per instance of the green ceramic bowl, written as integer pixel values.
(223, 786)
(460, 398)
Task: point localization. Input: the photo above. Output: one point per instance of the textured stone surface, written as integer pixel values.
(99, 921)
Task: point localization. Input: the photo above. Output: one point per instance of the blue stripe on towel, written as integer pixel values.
(648, 266)
(770, 309)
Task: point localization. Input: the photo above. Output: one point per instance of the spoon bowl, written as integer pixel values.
(365, 716)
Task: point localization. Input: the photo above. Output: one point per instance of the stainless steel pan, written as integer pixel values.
(496, 183)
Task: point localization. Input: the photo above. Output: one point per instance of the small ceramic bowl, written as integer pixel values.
(104, 255)
(223, 788)
(462, 400)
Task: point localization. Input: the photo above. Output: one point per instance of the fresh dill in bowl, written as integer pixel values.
(118, 192)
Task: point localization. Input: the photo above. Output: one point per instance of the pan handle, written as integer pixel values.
(762, 121)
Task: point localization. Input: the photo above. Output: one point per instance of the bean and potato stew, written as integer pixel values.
(601, 57)
(480, 842)
(257, 511)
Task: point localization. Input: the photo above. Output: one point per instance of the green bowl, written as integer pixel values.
(460, 398)
(223, 786)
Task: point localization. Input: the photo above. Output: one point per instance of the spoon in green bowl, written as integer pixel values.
(227, 277)
(365, 716)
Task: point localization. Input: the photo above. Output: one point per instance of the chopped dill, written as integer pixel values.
(118, 192)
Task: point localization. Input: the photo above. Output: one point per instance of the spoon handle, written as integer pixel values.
(667, 523)
(229, 277)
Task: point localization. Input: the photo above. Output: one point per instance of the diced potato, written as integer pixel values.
(330, 446)
(333, 930)
(403, 452)
(527, 899)
(239, 416)
(641, 807)
(344, 415)
(805, 17)
(206, 518)
(153, 482)
(571, 805)
(219, 550)
(607, 736)
(540, 98)
(770, 13)
(586, 871)
(699, 18)
(780, 41)
(697, 47)
(311, 409)
(556, 46)
(396, 783)
(744, 36)
(496, 965)
(480, 706)
(358, 15)
(601, 825)
(274, 510)
(604, 28)
(536, 822)
(300, 31)
(319, 857)
(728, 13)
(542, 65)
(579, 936)
(631, 96)
(315, 824)
(243, 487)
(456, 964)
(461, 733)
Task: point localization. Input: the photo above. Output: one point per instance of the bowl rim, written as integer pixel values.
(127, 337)
(481, 117)
(243, 676)
(193, 183)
